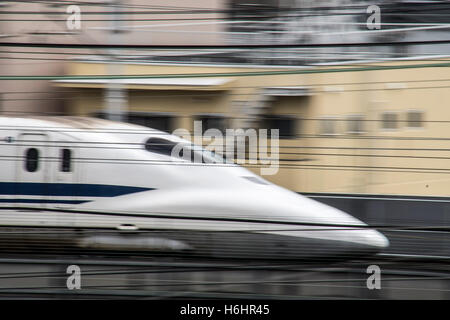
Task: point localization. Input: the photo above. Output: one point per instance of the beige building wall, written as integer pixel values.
(377, 161)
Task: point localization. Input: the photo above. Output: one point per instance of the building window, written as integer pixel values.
(285, 124)
(156, 121)
(213, 122)
(32, 159)
(389, 120)
(414, 119)
(66, 160)
(355, 124)
(328, 126)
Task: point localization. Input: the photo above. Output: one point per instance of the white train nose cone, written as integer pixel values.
(376, 239)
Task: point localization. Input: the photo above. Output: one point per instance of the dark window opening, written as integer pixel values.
(158, 122)
(183, 151)
(213, 122)
(286, 126)
(415, 119)
(389, 120)
(32, 159)
(66, 160)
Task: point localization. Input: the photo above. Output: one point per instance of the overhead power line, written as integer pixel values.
(221, 47)
(227, 74)
(155, 9)
(242, 10)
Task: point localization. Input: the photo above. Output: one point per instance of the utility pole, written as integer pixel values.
(115, 98)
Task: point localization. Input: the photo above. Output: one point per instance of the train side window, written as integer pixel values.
(414, 119)
(66, 160)
(32, 159)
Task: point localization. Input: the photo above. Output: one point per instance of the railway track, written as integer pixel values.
(117, 277)
(416, 266)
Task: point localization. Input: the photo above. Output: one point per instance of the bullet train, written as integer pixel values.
(95, 184)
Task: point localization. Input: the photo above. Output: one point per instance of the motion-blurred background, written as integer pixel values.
(358, 90)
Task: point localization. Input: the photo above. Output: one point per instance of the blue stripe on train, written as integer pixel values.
(66, 189)
(43, 201)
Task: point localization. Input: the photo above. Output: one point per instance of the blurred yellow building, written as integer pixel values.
(365, 128)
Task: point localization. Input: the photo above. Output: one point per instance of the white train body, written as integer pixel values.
(108, 180)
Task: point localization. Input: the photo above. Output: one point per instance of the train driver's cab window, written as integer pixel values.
(31, 159)
(184, 151)
(66, 160)
(389, 120)
(160, 146)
